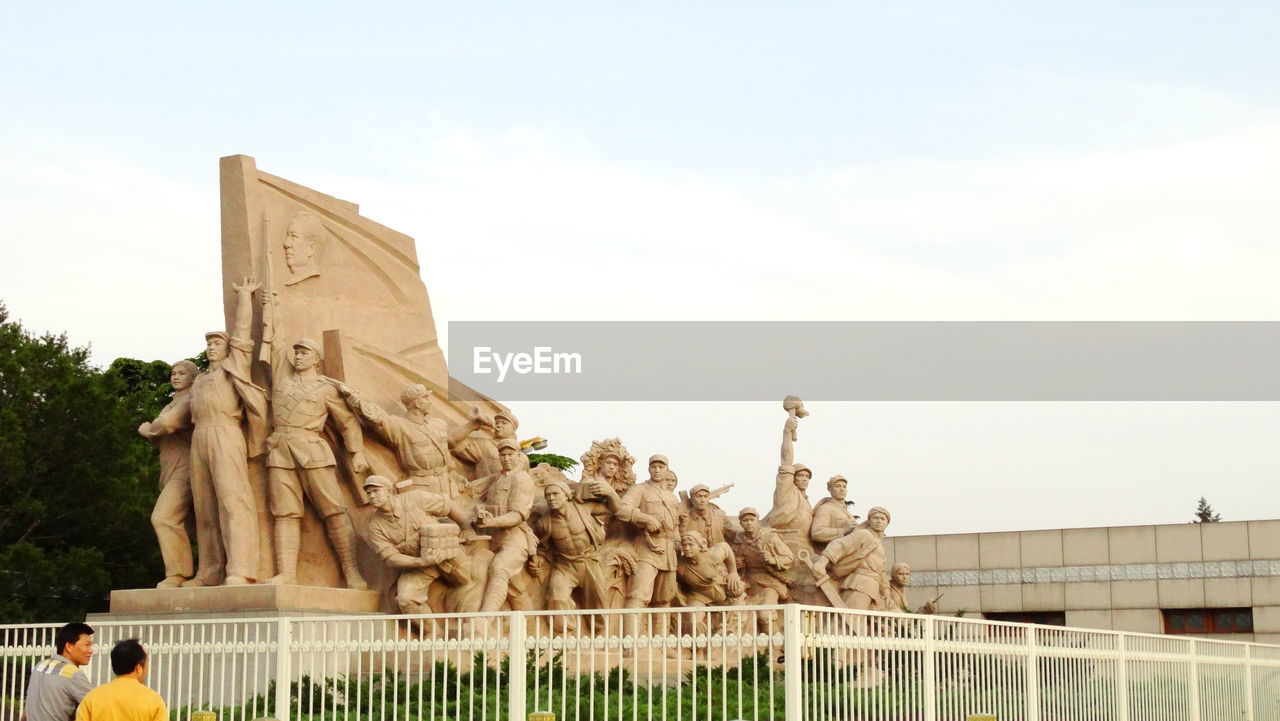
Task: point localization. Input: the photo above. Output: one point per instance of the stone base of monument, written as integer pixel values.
(250, 601)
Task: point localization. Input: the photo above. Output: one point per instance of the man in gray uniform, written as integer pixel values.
(58, 684)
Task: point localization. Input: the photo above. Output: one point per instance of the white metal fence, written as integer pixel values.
(777, 662)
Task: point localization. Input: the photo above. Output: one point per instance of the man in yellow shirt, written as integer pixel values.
(125, 698)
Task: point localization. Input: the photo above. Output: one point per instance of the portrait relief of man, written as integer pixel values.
(303, 245)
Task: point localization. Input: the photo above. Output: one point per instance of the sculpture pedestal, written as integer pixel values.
(250, 601)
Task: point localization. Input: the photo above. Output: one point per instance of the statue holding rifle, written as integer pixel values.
(301, 463)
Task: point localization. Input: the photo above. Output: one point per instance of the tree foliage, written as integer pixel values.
(563, 463)
(1204, 513)
(77, 483)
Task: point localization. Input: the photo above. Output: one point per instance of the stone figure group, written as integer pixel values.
(224, 414)
(466, 525)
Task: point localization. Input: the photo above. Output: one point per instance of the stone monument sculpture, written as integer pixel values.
(708, 574)
(698, 513)
(406, 535)
(856, 561)
(460, 536)
(421, 441)
(171, 434)
(764, 559)
(899, 580)
(653, 509)
(476, 441)
(300, 463)
(355, 287)
(608, 463)
(304, 239)
(343, 273)
(571, 534)
(831, 517)
(504, 511)
(792, 514)
(228, 412)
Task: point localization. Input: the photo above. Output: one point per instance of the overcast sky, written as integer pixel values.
(716, 161)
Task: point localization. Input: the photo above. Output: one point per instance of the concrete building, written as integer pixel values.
(1216, 580)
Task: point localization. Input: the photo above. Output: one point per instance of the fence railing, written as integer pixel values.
(768, 662)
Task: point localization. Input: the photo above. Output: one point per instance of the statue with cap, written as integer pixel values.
(653, 509)
(699, 514)
(503, 512)
(476, 441)
(421, 441)
(792, 513)
(831, 517)
(229, 416)
(764, 560)
(856, 561)
(301, 463)
(400, 531)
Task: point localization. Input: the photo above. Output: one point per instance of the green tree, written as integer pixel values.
(77, 483)
(1204, 513)
(564, 463)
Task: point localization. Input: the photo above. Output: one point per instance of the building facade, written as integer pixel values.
(1215, 580)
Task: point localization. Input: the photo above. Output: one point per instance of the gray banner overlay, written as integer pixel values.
(867, 361)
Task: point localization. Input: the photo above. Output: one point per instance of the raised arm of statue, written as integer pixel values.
(244, 306)
(786, 499)
(273, 335)
(788, 440)
(240, 345)
(795, 411)
(460, 431)
(364, 408)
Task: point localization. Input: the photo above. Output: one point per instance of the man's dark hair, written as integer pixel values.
(126, 656)
(70, 634)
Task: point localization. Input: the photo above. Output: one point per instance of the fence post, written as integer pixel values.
(284, 667)
(1193, 681)
(1248, 683)
(792, 685)
(1033, 676)
(1122, 678)
(517, 663)
(928, 669)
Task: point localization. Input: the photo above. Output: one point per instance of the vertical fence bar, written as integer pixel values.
(928, 670)
(284, 671)
(793, 686)
(517, 663)
(1193, 681)
(1122, 678)
(1248, 683)
(1033, 675)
